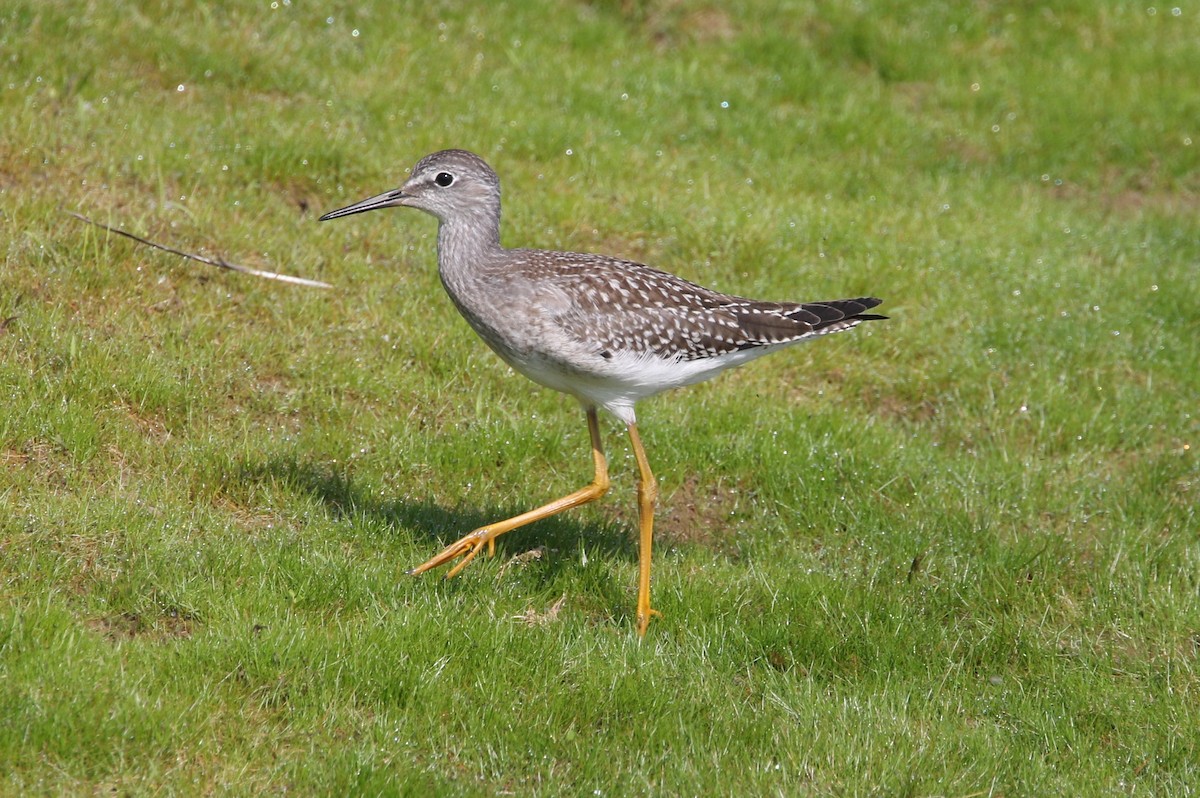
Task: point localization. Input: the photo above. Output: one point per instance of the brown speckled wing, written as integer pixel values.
(621, 306)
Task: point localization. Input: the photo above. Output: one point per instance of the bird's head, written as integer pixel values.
(451, 185)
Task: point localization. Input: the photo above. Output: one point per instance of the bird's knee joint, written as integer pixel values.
(648, 490)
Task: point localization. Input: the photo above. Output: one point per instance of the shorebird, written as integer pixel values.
(604, 330)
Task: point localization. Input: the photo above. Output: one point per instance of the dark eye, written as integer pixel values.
(444, 179)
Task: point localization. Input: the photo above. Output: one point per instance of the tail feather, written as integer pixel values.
(836, 314)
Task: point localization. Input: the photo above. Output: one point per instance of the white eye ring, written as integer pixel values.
(444, 179)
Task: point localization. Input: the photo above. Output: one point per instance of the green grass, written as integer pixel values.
(955, 553)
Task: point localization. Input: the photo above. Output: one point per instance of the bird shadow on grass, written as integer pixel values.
(428, 521)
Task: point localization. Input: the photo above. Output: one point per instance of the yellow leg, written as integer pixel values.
(647, 495)
(468, 546)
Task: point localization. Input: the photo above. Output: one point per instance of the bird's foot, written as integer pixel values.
(466, 547)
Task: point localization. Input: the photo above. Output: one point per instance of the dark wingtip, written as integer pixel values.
(868, 302)
(838, 314)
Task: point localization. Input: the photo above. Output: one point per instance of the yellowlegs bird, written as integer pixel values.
(604, 330)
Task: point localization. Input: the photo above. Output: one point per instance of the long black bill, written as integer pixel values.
(387, 199)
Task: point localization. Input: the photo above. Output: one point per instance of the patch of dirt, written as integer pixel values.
(708, 25)
(532, 617)
(696, 512)
(667, 23)
(898, 408)
(171, 624)
(151, 426)
(51, 462)
(11, 457)
(1125, 194)
(912, 95)
(964, 151)
(521, 559)
(250, 517)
